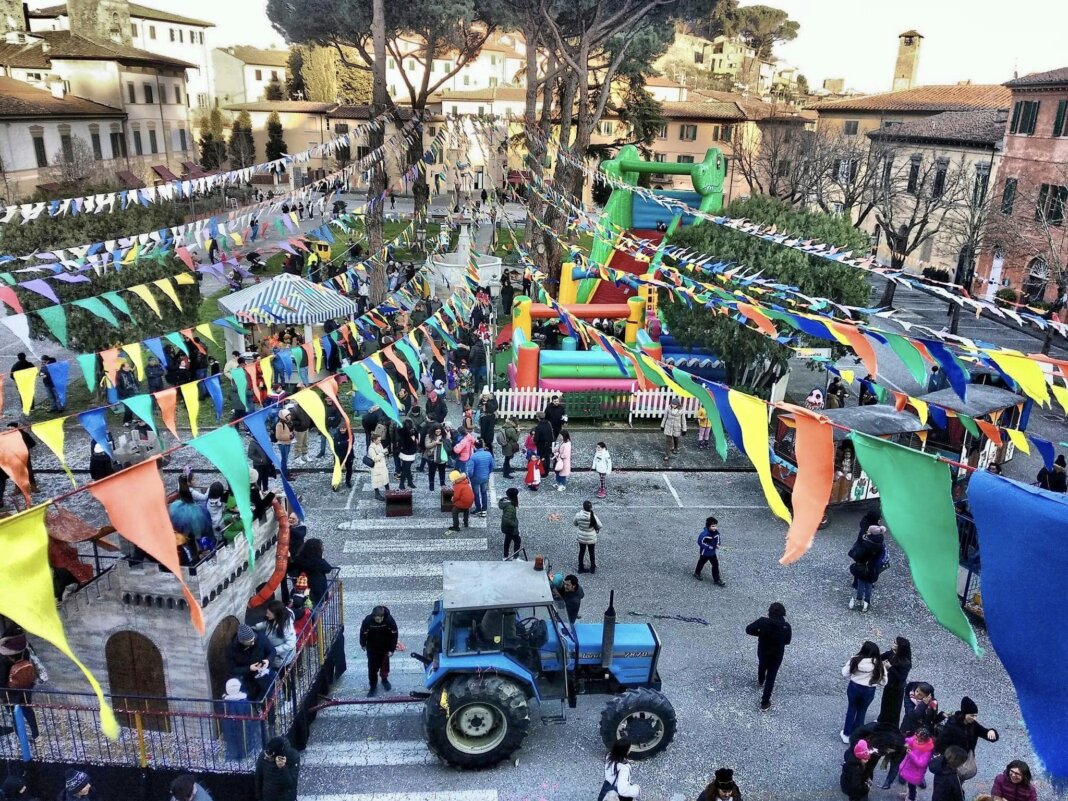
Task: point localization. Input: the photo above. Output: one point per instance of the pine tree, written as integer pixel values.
(274, 90)
(276, 144)
(242, 145)
(212, 140)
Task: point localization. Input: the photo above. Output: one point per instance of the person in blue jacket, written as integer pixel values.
(708, 542)
(479, 468)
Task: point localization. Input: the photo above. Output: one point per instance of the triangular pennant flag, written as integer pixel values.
(118, 301)
(1019, 439)
(143, 292)
(752, 416)
(96, 306)
(224, 449)
(59, 372)
(205, 330)
(213, 384)
(25, 565)
(133, 350)
(191, 396)
(814, 448)
(51, 433)
(95, 424)
(167, 400)
(136, 503)
(257, 427)
(141, 405)
(167, 288)
(178, 341)
(87, 362)
(26, 381)
(55, 319)
(15, 460)
(313, 405)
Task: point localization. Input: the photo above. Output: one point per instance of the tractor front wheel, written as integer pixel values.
(476, 722)
(643, 716)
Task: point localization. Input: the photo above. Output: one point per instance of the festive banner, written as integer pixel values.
(97, 307)
(51, 433)
(1023, 525)
(191, 396)
(1025, 372)
(137, 356)
(33, 606)
(14, 460)
(95, 424)
(87, 363)
(167, 400)
(59, 373)
(136, 503)
(709, 405)
(916, 492)
(55, 319)
(26, 381)
(814, 449)
(224, 449)
(752, 416)
(257, 427)
(146, 295)
(141, 405)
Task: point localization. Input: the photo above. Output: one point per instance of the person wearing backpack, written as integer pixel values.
(283, 436)
(617, 785)
(869, 560)
(19, 672)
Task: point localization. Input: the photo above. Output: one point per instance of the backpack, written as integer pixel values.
(23, 675)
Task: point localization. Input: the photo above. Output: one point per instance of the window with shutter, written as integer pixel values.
(1008, 196)
(1060, 124)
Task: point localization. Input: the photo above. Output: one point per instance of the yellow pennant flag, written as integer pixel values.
(191, 396)
(1019, 439)
(133, 350)
(848, 375)
(184, 279)
(142, 291)
(51, 433)
(317, 346)
(1025, 372)
(1061, 394)
(205, 329)
(26, 381)
(313, 405)
(131, 255)
(921, 409)
(752, 416)
(167, 288)
(25, 565)
(267, 368)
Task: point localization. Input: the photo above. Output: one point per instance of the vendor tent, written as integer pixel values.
(288, 299)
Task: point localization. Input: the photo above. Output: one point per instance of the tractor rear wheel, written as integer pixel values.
(476, 722)
(645, 717)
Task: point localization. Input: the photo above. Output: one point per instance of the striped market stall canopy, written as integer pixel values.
(288, 299)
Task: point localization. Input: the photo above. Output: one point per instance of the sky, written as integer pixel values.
(963, 39)
(851, 39)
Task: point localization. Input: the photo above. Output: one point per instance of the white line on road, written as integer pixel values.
(367, 523)
(367, 753)
(415, 544)
(352, 494)
(390, 571)
(453, 795)
(370, 598)
(671, 488)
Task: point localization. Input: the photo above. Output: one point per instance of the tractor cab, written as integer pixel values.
(497, 642)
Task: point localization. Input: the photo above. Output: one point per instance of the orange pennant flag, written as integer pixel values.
(254, 382)
(814, 447)
(763, 323)
(861, 346)
(402, 368)
(167, 399)
(136, 503)
(111, 361)
(329, 388)
(310, 363)
(14, 460)
(993, 433)
(901, 400)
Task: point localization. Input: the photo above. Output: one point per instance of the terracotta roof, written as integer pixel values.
(27, 56)
(1056, 77)
(983, 128)
(136, 10)
(660, 80)
(66, 45)
(22, 101)
(267, 57)
(489, 94)
(692, 110)
(955, 97)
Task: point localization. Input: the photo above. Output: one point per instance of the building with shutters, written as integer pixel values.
(242, 74)
(1029, 235)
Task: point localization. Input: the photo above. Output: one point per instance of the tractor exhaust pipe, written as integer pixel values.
(608, 632)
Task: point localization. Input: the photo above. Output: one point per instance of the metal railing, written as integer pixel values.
(194, 734)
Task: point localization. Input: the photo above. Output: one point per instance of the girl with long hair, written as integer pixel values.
(866, 673)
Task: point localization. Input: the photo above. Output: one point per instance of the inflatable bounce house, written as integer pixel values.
(643, 222)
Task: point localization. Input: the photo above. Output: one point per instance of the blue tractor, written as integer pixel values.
(497, 642)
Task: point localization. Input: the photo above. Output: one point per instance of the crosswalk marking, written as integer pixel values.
(372, 523)
(370, 598)
(423, 795)
(390, 571)
(367, 753)
(396, 546)
(374, 710)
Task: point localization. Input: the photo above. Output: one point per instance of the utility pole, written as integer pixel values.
(376, 138)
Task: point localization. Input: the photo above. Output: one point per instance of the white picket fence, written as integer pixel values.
(524, 404)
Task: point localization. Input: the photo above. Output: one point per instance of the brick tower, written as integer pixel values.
(908, 60)
(101, 20)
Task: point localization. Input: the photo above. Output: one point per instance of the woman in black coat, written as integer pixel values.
(898, 662)
(309, 560)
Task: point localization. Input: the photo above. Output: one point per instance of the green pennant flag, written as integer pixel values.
(880, 392)
(224, 449)
(298, 356)
(908, 354)
(55, 318)
(178, 341)
(412, 358)
(96, 306)
(240, 379)
(361, 383)
(969, 424)
(649, 372)
(9, 279)
(87, 361)
(141, 405)
(119, 302)
(915, 489)
(704, 397)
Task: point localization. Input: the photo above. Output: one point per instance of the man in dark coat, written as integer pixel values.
(248, 659)
(1055, 480)
(555, 414)
(773, 634)
(277, 771)
(544, 437)
(436, 410)
(378, 637)
(487, 420)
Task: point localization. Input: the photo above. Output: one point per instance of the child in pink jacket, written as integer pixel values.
(914, 765)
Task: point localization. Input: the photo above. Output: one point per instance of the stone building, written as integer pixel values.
(242, 74)
(908, 60)
(1028, 231)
